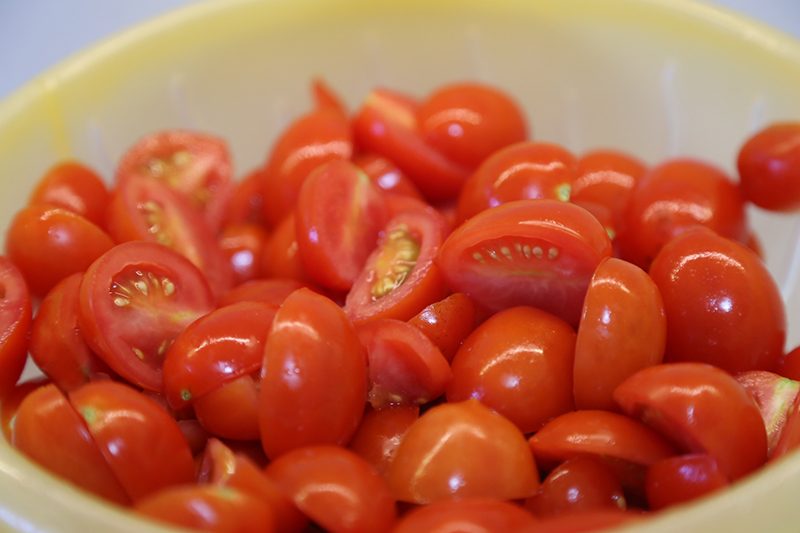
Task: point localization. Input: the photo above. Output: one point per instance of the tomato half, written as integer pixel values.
(468, 514)
(271, 291)
(380, 433)
(73, 186)
(385, 175)
(243, 246)
(246, 205)
(769, 167)
(281, 257)
(448, 322)
(775, 397)
(15, 324)
(134, 300)
(231, 410)
(682, 479)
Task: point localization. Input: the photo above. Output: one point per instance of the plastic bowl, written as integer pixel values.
(656, 77)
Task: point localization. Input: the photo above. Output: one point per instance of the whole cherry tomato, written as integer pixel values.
(73, 186)
(769, 167)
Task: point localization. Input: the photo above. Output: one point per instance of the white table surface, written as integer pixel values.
(36, 34)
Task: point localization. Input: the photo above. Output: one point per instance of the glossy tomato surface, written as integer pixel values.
(15, 324)
(380, 433)
(73, 186)
(469, 514)
(769, 167)
(448, 322)
(682, 479)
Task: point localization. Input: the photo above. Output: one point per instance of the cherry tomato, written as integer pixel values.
(338, 218)
(208, 508)
(400, 278)
(385, 175)
(267, 291)
(381, 432)
(134, 300)
(623, 329)
(769, 167)
(529, 252)
(682, 479)
(314, 376)
(775, 396)
(246, 205)
(243, 246)
(75, 187)
(313, 139)
(57, 233)
(703, 409)
(462, 450)
(281, 258)
(519, 363)
(790, 433)
(142, 444)
(721, 303)
(57, 345)
(15, 324)
(469, 514)
(335, 488)
(447, 322)
(195, 165)
(789, 364)
(405, 367)
(526, 170)
(12, 399)
(467, 122)
(677, 195)
(584, 522)
(325, 97)
(231, 410)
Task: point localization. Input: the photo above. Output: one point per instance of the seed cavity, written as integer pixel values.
(552, 253)
(538, 252)
(397, 258)
(121, 301)
(138, 353)
(167, 287)
(186, 395)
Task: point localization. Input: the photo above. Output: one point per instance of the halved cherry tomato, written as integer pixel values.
(314, 376)
(769, 167)
(701, 408)
(447, 322)
(231, 409)
(325, 97)
(267, 291)
(281, 258)
(775, 397)
(623, 329)
(243, 246)
(525, 170)
(15, 324)
(386, 176)
(195, 165)
(585, 522)
(462, 450)
(57, 233)
(529, 252)
(400, 278)
(338, 217)
(519, 363)
(790, 433)
(682, 479)
(12, 400)
(76, 187)
(246, 205)
(380, 433)
(335, 488)
(789, 364)
(468, 514)
(134, 300)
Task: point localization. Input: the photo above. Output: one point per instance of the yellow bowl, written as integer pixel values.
(656, 77)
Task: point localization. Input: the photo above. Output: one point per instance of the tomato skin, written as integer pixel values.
(468, 514)
(623, 328)
(386, 176)
(13, 398)
(380, 433)
(144, 319)
(462, 450)
(141, 442)
(243, 245)
(447, 322)
(325, 97)
(230, 410)
(246, 205)
(271, 292)
(721, 303)
(526, 170)
(775, 396)
(338, 217)
(57, 232)
(682, 479)
(48, 430)
(281, 258)
(208, 508)
(57, 345)
(540, 253)
(467, 122)
(335, 488)
(769, 165)
(15, 324)
(314, 376)
(584, 522)
(75, 187)
(703, 409)
(519, 363)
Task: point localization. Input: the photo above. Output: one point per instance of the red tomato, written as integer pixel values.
(775, 396)
(57, 345)
(208, 508)
(224, 345)
(386, 125)
(147, 210)
(400, 278)
(12, 399)
(281, 258)
(703, 409)
(623, 329)
(313, 139)
(405, 367)
(584, 522)
(195, 165)
(790, 434)
(314, 376)
(385, 175)
(134, 300)
(246, 205)
(325, 97)
(57, 233)
(467, 122)
(519, 363)
(769, 167)
(230, 410)
(677, 195)
(789, 364)
(526, 170)
(682, 479)
(529, 252)
(381, 432)
(75, 187)
(470, 514)
(142, 444)
(335, 488)
(462, 450)
(15, 325)
(338, 217)
(48, 430)
(722, 305)
(242, 246)
(579, 484)
(447, 322)
(267, 291)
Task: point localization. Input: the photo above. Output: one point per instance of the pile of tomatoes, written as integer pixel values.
(411, 318)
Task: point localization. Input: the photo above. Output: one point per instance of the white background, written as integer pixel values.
(36, 34)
